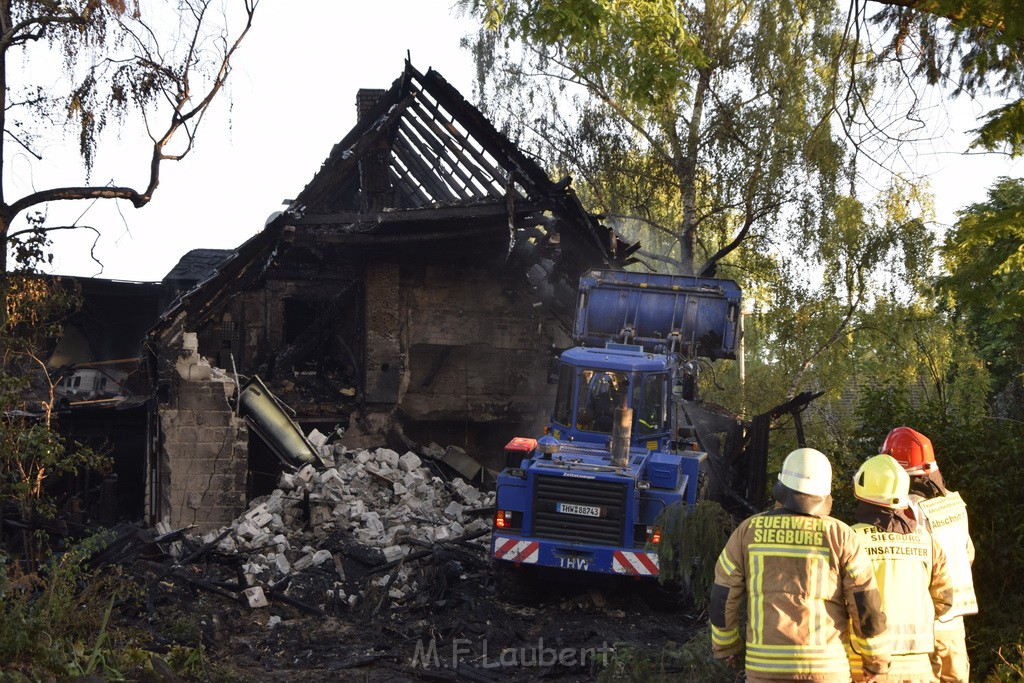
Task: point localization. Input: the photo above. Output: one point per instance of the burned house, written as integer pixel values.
(419, 285)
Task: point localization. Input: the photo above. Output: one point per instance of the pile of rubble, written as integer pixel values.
(382, 504)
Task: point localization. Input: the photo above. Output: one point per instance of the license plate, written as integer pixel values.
(574, 509)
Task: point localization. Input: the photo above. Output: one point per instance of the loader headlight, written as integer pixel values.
(643, 485)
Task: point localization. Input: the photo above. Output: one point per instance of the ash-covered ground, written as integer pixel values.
(377, 568)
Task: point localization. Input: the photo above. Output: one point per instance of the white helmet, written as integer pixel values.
(806, 470)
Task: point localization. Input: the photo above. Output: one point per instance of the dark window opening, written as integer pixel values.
(299, 316)
(220, 342)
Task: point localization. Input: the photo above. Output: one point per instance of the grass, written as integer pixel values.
(689, 661)
(61, 623)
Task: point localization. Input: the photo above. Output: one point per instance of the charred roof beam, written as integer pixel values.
(401, 239)
(439, 163)
(413, 160)
(488, 181)
(442, 155)
(498, 174)
(403, 180)
(523, 210)
(479, 128)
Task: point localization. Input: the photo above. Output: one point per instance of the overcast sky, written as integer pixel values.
(291, 98)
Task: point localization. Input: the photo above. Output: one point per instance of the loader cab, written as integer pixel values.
(592, 383)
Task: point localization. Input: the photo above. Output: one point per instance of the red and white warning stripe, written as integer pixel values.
(636, 564)
(513, 550)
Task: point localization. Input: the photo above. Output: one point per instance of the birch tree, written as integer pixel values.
(114, 62)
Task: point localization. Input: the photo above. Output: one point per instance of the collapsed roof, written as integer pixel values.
(423, 173)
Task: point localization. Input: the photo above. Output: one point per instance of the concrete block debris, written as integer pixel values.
(391, 505)
(255, 596)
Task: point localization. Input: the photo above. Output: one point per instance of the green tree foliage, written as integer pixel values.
(851, 319)
(981, 458)
(746, 162)
(88, 65)
(975, 46)
(689, 547)
(637, 51)
(984, 256)
(737, 170)
(732, 142)
(32, 450)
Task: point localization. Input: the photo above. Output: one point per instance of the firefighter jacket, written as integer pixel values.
(946, 517)
(804, 580)
(914, 582)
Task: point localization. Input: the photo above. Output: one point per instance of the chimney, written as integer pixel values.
(365, 99)
(375, 190)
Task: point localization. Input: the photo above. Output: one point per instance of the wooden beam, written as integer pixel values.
(411, 156)
(442, 145)
(487, 181)
(405, 238)
(426, 214)
(457, 179)
(500, 175)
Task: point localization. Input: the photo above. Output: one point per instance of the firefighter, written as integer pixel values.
(944, 514)
(806, 584)
(910, 569)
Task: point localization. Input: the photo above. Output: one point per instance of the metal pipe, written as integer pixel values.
(621, 433)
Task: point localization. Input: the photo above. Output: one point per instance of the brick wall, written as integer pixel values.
(478, 347)
(204, 456)
(384, 360)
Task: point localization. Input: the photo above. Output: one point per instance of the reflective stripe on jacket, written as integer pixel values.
(915, 668)
(804, 580)
(946, 518)
(915, 587)
(914, 583)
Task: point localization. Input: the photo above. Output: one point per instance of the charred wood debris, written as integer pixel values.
(376, 565)
(363, 534)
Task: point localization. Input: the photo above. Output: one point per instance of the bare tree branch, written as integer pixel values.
(654, 225)
(24, 145)
(11, 35)
(939, 10)
(180, 118)
(659, 257)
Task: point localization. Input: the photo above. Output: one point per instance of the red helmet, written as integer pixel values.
(911, 449)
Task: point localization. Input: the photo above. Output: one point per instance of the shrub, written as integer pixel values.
(980, 457)
(690, 545)
(56, 621)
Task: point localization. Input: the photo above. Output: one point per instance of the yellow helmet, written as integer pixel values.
(881, 480)
(806, 470)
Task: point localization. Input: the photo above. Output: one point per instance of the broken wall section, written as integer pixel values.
(203, 462)
(478, 347)
(302, 338)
